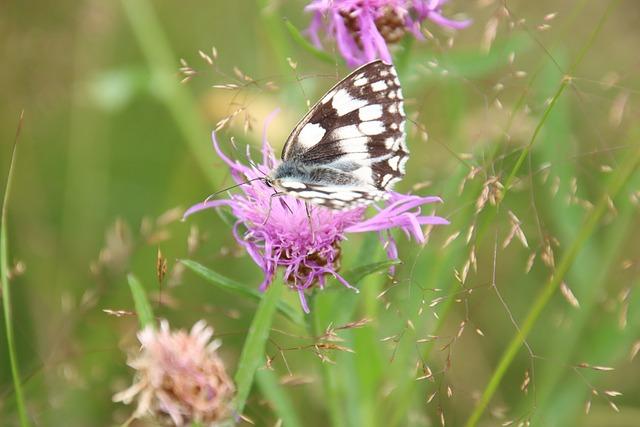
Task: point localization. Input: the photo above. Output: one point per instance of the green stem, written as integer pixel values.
(563, 85)
(6, 289)
(624, 173)
(253, 351)
(585, 231)
(269, 386)
(488, 219)
(329, 379)
(402, 58)
(155, 47)
(141, 302)
(527, 149)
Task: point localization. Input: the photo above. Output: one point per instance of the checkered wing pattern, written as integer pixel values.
(349, 150)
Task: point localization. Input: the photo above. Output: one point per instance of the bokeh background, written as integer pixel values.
(113, 148)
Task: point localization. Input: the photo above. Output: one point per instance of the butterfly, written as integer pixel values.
(349, 149)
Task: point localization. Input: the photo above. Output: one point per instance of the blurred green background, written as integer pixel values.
(113, 148)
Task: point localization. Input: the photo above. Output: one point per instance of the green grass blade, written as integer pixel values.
(143, 308)
(302, 41)
(231, 285)
(341, 381)
(282, 405)
(623, 174)
(567, 260)
(277, 35)
(563, 85)
(6, 289)
(163, 66)
(589, 276)
(357, 274)
(560, 398)
(252, 355)
(322, 305)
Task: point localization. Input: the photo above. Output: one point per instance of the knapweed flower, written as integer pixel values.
(363, 28)
(282, 232)
(180, 379)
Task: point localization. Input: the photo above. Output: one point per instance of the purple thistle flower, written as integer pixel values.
(282, 232)
(363, 28)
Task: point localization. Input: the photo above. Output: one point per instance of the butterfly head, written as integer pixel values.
(286, 176)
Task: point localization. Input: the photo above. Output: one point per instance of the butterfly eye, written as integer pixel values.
(268, 183)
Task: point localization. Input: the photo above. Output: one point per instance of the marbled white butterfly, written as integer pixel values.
(349, 150)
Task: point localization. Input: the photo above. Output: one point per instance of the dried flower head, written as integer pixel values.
(180, 378)
(363, 28)
(305, 241)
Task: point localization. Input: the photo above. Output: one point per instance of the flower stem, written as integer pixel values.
(252, 355)
(6, 289)
(329, 380)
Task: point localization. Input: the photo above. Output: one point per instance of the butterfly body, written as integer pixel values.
(349, 150)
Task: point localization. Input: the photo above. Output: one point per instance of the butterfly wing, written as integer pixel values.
(354, 134)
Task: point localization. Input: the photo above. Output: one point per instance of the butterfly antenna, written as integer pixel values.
(211, 196)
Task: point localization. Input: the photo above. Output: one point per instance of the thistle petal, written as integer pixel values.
(307, 244)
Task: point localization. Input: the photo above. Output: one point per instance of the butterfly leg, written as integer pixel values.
(308, 208)
(276, 194)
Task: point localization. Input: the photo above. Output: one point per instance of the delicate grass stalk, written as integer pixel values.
(566, 262)
(329, 379)
(434, 276)
(6, 288)
(338, 309)
(577, 12)
(618, 180)
(141, 302)
(163, 66)
(601, 344)
(252, 355)
(588, 276)
(488, 220)
(534, 136)
(563, 85)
